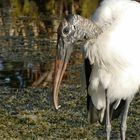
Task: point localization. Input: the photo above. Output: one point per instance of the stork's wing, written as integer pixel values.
(92, 111)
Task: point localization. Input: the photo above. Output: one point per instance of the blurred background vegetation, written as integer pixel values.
(35, 8)
(32, 24)
(41, 15)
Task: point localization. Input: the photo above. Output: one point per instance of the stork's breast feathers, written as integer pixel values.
(115, 53)
(118, 44)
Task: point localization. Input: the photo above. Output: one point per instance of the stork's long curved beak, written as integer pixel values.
(63, 54)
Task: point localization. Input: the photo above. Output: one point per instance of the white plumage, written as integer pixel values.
(112, 45)
(115, 53)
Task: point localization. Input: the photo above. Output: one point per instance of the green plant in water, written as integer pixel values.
(30, 9)
(16, 8)
(51, 7)
(88, 7)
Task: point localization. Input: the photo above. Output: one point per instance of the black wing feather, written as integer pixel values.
(90, 107)
(93, 112)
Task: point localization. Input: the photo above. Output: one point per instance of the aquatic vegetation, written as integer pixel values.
(30, 114)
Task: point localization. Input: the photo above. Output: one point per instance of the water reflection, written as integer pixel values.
(20, 78)
(27, 53)
(1, 64)
(11, 75)
(22, 74)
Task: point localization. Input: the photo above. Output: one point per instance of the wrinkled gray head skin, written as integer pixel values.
(72, 29)
(69, 32)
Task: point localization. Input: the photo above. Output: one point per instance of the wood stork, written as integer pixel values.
(111, 51)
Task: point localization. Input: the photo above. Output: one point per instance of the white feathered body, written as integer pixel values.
(116, 52)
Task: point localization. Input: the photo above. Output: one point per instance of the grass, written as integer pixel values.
(29, 114)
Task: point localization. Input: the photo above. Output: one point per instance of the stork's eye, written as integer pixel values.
(66, 30)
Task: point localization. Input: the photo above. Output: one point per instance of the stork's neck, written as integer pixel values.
(89, 28)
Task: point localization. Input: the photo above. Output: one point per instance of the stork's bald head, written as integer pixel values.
(70, 29)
